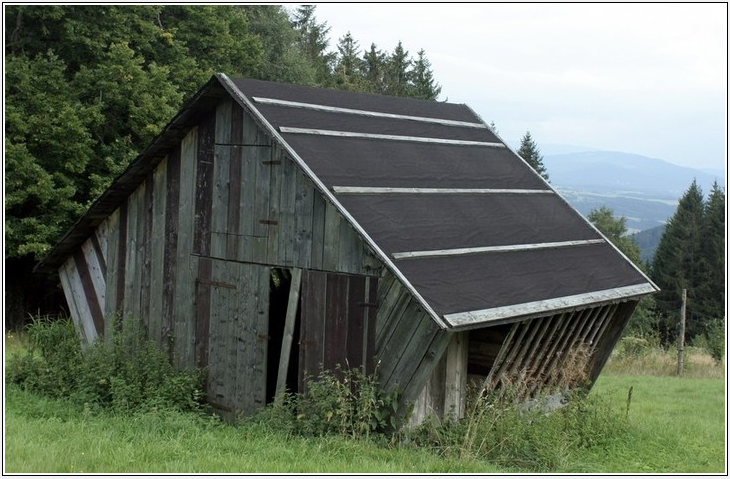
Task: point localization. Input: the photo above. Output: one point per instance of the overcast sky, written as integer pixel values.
(649, 79)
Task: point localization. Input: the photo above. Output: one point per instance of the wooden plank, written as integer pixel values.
(331, 251)
(378, 136)
(122, 258)
(264, 276)
(456, 370)
(390, 319)
(494, 249)
(371, 313)
(502, 376)
(263, 193)
(470, 319)
(356, 319)
(367, 113)
(412, 342)
(303, 215)
(491, 378)
(219, 229)
(96, 275)
(335, 322)
(99, 250)
(235, 183)
(389, 190)
(131, 300)
(185, 265)
(289, 323)
(146, 282)
(421, 370)
(281, 207)
(314, 302)
(158, 253)
(78, 308)
(203, 311)
(350, 250)
(558, 345)
(204, 186)
(319, 212)
(112, 276)
(170, 247)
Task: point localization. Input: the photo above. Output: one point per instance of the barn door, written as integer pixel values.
(337, 323)
(232, 334)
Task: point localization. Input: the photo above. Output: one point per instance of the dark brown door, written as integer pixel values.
(337, 323)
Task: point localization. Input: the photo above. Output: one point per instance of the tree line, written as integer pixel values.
(89, 87)
(690, 256)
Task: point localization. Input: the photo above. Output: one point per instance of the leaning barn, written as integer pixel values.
(272, 230)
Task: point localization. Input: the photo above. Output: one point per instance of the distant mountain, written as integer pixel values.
(643, 190)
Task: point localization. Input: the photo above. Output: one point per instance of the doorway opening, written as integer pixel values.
(279, 292)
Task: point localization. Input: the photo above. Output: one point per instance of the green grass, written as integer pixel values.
(50, 436)
(676, 425)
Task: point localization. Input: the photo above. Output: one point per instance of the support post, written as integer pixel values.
(291, 316)
(680, 345)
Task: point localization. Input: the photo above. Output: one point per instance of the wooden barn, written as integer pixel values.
(273, 230)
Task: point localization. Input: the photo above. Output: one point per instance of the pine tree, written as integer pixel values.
(349, 68)
(397, 77)
(614, 229)
(710, 295)
(314, 42)
(531, 154)
(424, 86)
(676, 265)
(375, 69)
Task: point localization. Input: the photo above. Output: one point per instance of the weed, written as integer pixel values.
(130, 373)
(345, 402)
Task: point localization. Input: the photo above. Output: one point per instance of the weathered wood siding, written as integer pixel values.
(408, 343)
(220, 208)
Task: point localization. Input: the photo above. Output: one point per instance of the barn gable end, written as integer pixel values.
(369, 229)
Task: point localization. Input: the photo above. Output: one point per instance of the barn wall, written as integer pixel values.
(220, 208)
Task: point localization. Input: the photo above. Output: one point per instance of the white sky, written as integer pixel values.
(649, 79)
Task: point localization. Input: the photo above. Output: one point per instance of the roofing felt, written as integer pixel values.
(465, 221)
(459, 218)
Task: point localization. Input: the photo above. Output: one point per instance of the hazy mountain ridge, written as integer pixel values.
(643, 190)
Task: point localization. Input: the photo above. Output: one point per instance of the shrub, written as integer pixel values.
(129, 373)
(346, 402)
(715, 335)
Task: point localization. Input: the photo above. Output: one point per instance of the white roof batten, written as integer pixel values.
(471, 318)
(375, 114)
(378, 136)
(494, 249)
(376, 190)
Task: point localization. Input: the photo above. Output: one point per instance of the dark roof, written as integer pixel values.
(463, 221)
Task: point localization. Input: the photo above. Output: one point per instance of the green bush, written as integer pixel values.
(346, 402)
(715, 336)
(130, 373)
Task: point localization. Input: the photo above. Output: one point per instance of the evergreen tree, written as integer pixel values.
(314, 41)
(531, 154)
(710, 294)
(349, 69)
(424, 86)
(676, 265)
(397, 77)
(375, 69)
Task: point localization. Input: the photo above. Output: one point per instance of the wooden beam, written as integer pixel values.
(286, 342)
(376, 190)
(493, 249)
(377, 136)
(374, 114)
(472, 319)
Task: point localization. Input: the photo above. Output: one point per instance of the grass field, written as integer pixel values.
(676, 425)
